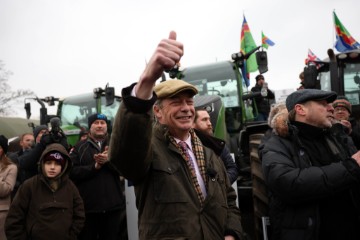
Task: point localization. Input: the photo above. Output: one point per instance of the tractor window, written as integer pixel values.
(352, 82)
(222, 79)
(226, 89)
(76, 112)
(73, 114)
(325, 81)
(109, 111)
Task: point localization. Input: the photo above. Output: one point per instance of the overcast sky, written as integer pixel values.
(67, 47)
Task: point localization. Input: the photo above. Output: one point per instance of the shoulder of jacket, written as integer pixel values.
(83, 145)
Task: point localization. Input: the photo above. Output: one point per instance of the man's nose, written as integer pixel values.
(185, 106)
(330, 108)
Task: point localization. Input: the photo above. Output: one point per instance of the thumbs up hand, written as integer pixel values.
(167, 54)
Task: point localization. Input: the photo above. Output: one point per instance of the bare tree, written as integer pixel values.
(9, 98)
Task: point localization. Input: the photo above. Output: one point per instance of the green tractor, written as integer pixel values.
(74, 111)
(339, 73)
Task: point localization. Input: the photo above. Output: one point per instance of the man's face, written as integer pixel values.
(341, 113)
(319, 113)
(98, 129)
(177, 113)
(27, 141)
(203, 122)
(261, 81)
(42, 132)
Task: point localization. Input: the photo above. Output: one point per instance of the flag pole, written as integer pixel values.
(333, 31)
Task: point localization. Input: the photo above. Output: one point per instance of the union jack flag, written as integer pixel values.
(311, 58)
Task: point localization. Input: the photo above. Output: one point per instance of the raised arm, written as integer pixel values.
(130, 146)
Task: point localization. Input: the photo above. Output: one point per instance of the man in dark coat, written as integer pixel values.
(181, 187)
(202, 123)
(262, 101)
(99, 184)
(312, 176)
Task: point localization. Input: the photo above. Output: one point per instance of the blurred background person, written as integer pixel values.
(99, 185)
(203, 124)
(83, 135)
(8, 173)
(39, 131)
(263, 101)
(301, 77)
(342, 113)
(27, 142)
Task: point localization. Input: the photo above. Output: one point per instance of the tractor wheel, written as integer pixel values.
(259, 192)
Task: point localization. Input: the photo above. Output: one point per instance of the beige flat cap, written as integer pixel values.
(171, 87)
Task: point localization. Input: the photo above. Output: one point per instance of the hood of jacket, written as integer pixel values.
(278, 120)
(56, 147)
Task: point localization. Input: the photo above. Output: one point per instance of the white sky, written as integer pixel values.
(66, 47)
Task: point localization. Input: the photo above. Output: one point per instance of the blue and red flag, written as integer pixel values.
(344, 41)
(265, 41)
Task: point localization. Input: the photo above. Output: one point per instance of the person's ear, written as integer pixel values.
(300, 109)
(157, 111)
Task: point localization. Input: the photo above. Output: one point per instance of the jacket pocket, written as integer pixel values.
(169, 185)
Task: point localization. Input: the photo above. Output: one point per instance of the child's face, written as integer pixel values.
(52, 168)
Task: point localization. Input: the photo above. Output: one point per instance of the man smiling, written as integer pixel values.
(99, 184)
(181, 187)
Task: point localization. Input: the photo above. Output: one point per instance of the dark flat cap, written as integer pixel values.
(171, 87)
(304, 95)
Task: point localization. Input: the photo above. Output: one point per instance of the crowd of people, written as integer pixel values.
(182, 175)
(48, 188)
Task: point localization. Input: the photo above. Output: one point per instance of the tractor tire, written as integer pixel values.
(259, 192)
